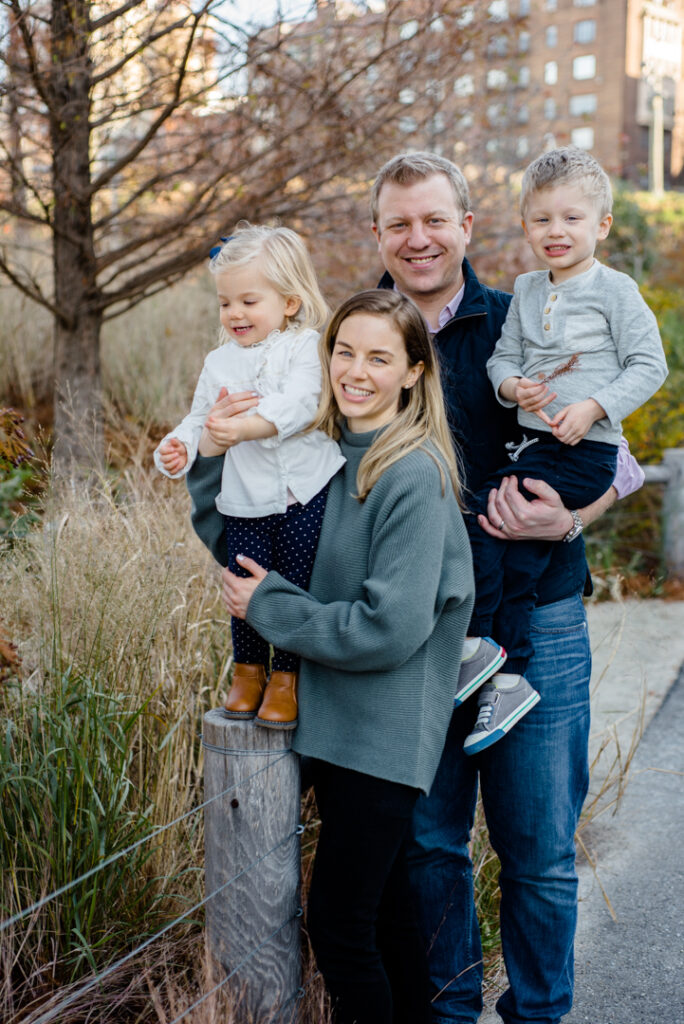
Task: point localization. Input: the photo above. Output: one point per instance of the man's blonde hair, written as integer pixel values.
(408, 168)
(568, 166)
(421, 420)
(282, 257)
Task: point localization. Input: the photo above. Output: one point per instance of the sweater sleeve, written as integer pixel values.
(400, 599)
(204, 483)
(640, 353)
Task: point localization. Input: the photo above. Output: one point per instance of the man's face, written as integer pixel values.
(422, 236)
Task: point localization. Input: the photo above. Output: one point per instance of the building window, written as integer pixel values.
(497, 46)
(523, 76)
(523, 114)
(464, 85)
(549, 108)
(496, 78)
(580, 106)
(585, 31)
(498, 10)
(584, 67)
(582, 137)
(408, 124)
(551, 35)
(495, 115)
(408, 29)
(551, 72)
(523, 42)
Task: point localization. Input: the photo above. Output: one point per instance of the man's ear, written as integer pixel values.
(376, 232)
(467, 225)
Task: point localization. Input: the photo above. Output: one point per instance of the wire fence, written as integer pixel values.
(60, 1004)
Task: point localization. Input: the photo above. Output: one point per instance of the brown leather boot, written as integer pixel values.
(246, 691)
(279, 707)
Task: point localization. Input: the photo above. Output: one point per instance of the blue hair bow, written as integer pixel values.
(216, 249)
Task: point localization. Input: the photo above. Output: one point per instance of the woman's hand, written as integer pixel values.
(225, 407)
(238, 590)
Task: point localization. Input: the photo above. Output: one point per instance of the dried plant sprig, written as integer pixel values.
(572, 364)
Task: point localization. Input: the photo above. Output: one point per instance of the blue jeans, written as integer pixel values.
(533, 783)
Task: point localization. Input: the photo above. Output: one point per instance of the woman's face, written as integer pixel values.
(368, 369)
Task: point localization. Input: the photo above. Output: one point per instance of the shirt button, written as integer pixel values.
(547, 327)
(548, 309)
(553, 298)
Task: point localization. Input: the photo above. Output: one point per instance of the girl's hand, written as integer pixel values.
(571, 424)
(237, 590)
(173, 455)
(224, 408)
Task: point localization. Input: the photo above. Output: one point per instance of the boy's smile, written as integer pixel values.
(562, 224)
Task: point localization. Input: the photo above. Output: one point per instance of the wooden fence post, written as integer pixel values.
(253, 824)
(673, 511)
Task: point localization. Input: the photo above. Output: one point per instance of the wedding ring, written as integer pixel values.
(501, 525)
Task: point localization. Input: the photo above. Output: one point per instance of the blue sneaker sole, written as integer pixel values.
(486, 674)
(491, 737)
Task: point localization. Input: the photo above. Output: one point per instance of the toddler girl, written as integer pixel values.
(275, 475)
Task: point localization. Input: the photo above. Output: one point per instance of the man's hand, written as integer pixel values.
(173, 455)
(572, 423)
(238, 590)
(510, 516)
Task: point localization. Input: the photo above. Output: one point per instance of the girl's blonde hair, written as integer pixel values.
(284, 261)
(421, 421)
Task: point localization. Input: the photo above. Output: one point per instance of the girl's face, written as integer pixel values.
(368, 369)
(250, 307)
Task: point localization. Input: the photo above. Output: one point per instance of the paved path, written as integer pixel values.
(632, 971)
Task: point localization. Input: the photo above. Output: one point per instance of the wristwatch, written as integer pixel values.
(576, 528)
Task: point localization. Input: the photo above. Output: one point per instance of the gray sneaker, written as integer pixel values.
(477, 669)
(500, 709)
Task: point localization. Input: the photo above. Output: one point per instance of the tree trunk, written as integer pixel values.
(79, 445)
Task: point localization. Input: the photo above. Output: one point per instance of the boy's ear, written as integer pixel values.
(604, 226)
(292, 305)
(524, 227)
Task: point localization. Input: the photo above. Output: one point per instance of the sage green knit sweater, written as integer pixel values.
(381, 629)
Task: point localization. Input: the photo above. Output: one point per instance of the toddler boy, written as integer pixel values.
(579, 350)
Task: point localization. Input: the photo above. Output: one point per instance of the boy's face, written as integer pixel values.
(563, 226)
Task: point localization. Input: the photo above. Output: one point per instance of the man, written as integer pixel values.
(535, 779)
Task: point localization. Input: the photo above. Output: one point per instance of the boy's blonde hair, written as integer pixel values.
(408, 168)
(284, 261)
(421, 420)
(569, 165)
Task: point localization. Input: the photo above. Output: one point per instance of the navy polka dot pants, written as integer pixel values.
(287, 543)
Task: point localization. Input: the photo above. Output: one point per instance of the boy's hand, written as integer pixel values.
(173, 455)
(532, 396)
(572, 423)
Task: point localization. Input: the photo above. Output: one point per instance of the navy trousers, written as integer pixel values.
(287, 543)
(507, 572)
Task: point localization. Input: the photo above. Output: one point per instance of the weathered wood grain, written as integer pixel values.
(261, 813)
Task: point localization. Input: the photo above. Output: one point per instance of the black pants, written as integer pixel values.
(361, 915)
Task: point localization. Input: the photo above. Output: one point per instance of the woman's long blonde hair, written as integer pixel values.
(282, 257)
(421, 420)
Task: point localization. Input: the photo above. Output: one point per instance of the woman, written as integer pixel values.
(379, 635)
